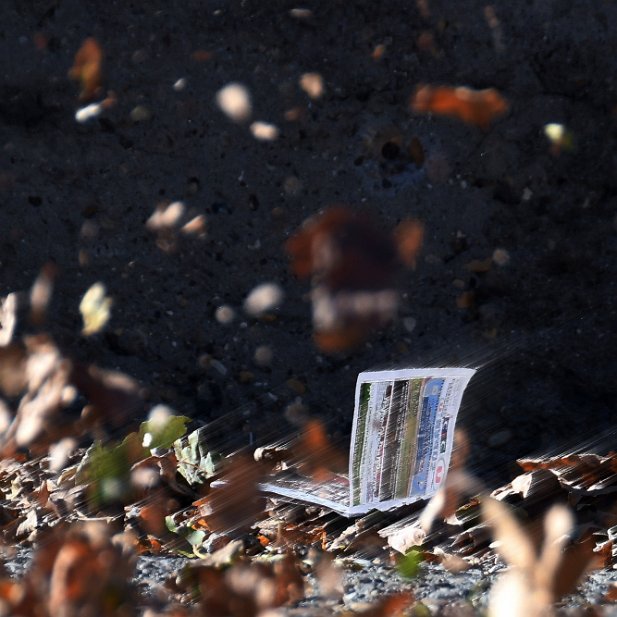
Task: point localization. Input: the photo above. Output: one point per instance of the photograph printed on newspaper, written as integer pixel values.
(401, 442)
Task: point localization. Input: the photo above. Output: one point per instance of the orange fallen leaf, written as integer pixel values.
(389, 606)
(408, 237)
(87, 69)
(479, 107)
(237, 502)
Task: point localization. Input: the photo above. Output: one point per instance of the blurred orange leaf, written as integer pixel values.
(316, 455)
(87, 69)
(479, 107)
(353, 265)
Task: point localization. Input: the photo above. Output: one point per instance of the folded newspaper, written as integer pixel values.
(401, 442)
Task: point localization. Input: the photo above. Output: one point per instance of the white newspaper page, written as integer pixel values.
(402, 436)
(401, 442)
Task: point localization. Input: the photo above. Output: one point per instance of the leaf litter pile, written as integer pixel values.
(92, 500)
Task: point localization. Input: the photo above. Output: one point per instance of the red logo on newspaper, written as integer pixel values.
(440, 472)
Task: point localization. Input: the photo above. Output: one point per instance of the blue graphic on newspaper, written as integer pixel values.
(430, 402)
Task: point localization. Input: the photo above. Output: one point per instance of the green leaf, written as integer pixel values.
(196, 463)
(108, 470)
(194, 537)
(162, 434)
(409, 564)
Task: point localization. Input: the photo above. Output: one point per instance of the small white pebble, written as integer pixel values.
(263, 298)
(88, 112)
(301, 13)
(312, 84)
(234, 100)
(140, 114)
(224, 314)
(263, 355)
(409, 323)
(264, 131)
(501, 257)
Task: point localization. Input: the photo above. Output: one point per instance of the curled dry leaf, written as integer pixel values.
(445, 502)
(403, 540)
(87, 69)
(478, 107)
(90, 576)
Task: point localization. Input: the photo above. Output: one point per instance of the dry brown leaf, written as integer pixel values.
(316, 456)
(390, 606)
(581, 471)
(574, 563)
(114, 397)
(330, 577)
(87, 69)
(479, 107)
(611, 594)
(445, 502)
(236, 503)
(514, 544)
(45, 377)
(13, 378)
(244, 590)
